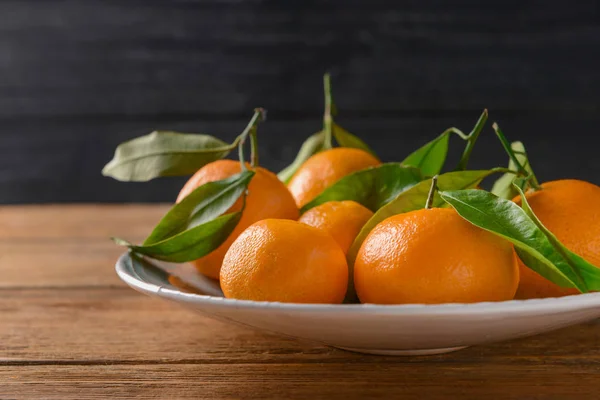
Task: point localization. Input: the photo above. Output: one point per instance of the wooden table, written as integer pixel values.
(70, 329)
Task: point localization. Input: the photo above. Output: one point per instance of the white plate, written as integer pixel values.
(413, 329)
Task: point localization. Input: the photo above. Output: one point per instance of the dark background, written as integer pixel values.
(79, 77)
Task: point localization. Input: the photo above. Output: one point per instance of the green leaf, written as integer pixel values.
(347, 139)
(410, 200)
(193, 243)
(431, 157)
(163, 153)
(471, 139)
(195, 227)
(311, 146)
(503, 186)
(204, 204)
(372, 187)
(535, 245)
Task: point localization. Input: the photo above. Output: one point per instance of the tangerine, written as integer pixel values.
(343, 220)
(570, 209)
(286, 261)
(325, 168)
(433, 256)
(267, 198)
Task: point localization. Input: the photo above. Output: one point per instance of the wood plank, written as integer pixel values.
(404, 380)
(120, 326)
(149, 57)
(59, 264)
(67, 246)
(77, 223)
(45, 161)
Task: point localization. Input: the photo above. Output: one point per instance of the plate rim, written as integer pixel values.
(554, 304)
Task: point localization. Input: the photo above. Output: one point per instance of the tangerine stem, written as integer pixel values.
(471, 139)
(329, 111)
(431, 194)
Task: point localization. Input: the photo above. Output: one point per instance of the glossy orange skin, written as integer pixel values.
(570, 209)
(325, 168)
(267, 198)
(286, 261)
(434, 256)
(343, 220)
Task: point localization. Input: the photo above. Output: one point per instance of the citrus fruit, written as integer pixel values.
(267, 198)
(570, 209)
(433, 256)
(324, 169)
(343, 220)
(287, 261)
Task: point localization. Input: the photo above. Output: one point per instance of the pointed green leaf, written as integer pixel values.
(163, 153)
(195, 226)
(431, 157)
(121, 242)
(311, 146)
(204, 204)
(193, 243)
(471, 139)
(534, 244)
(503, 186)
(347, 139)
(372, 187)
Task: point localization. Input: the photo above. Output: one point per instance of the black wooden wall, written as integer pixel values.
(78, 77)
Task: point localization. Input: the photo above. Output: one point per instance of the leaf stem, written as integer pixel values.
(457, 132)
(521, 170)
(329, 111)
(254, 136)
(241, 154)
(431, 195)
(471, 139)
(260, 115)
(253, 148)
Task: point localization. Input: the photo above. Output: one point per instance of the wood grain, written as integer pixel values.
(70, 330)
(345, 380)
(68, 246)
(77, 223)
(60, 264)
(119, 326)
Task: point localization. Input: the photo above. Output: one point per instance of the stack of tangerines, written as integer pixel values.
(285, 247)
